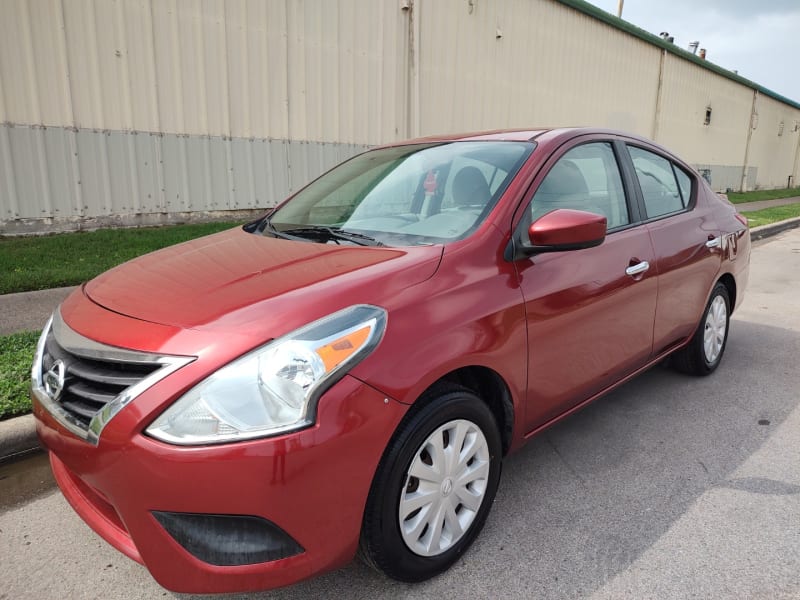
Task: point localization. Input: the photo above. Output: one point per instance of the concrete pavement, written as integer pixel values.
(762, 204)
(29, 311)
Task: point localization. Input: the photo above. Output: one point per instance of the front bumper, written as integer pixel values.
(312, 484)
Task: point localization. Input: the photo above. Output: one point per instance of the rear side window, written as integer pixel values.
(684, 183)
(658, 183)
(586, 178)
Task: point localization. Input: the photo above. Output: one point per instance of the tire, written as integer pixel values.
(440, 518)
(704, 352)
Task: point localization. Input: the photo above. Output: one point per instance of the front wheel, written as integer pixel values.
(704, 352)
(434, 487)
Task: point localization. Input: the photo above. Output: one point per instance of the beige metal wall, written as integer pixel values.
(146, 111)
(741, 142)
(687, 91)
(774, 142)
(143, 111)
(318, 70)
(523, 63)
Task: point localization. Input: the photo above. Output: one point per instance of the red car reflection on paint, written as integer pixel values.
(252, 408)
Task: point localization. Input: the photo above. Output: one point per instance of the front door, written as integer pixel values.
(589, 312)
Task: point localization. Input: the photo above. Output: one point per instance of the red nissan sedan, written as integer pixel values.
(346, 374)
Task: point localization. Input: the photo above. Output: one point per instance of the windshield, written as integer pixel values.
(405, 195)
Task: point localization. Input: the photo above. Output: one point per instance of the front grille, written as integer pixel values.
(83, 384)
(91, 384)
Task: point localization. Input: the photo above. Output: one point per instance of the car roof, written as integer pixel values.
(509, 135)
(548, 136)
(520, 135)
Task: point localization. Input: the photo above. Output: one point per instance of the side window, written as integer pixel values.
(585, 178)
(684, 183)
(657, 181)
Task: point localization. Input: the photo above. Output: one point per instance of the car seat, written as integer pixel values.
(470, 188)
(563, 187)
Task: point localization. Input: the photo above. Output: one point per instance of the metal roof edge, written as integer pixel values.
(601, 15)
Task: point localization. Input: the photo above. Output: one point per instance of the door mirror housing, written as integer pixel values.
(561, 230)
(567, 229)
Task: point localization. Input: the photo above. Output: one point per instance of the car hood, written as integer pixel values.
(235, 278)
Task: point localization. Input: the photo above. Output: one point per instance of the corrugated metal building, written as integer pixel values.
(148, 111)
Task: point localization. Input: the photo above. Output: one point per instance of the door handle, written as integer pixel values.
(714, 243)
(637, 269)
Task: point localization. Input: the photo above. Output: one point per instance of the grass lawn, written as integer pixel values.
(739, 197)
(772, 215)
(16, 356)
(42, 262)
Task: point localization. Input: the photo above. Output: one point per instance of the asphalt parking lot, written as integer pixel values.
(670, 487)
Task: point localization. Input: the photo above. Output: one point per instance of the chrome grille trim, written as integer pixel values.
(68, 412)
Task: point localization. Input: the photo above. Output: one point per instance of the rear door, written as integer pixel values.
(589, 312)
(685, 238)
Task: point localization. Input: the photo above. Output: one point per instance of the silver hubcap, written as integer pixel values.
(444, 489)
(716, 325)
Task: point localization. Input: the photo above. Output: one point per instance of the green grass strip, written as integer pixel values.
(43, 262)
(772, 215)
(740, 197)
(16, 356)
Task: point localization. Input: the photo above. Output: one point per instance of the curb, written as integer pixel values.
(28, 311)
(18, 435)
(758, 233)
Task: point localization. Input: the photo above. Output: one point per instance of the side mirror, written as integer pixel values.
(560, 230)
(566, 229)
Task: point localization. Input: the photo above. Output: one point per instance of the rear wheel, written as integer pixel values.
(704, 352)
(434, 487)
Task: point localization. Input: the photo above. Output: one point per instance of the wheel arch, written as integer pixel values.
(730, 284)
(490, 387)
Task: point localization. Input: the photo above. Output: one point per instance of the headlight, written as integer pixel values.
(274, 388)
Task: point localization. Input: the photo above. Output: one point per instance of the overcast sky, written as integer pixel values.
(758, 38)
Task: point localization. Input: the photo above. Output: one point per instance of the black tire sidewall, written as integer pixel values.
(395, 558)
(719, 291)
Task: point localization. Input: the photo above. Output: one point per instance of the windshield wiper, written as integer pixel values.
(324, 233)
(267, 225)
(357, 238)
